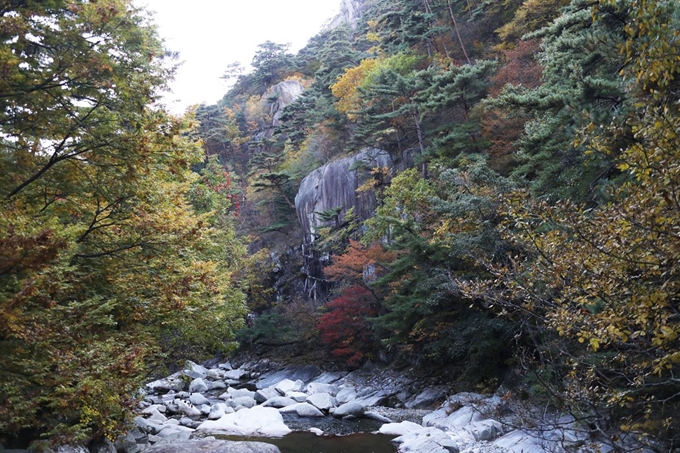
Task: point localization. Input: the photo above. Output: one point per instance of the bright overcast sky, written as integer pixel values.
(210, 34)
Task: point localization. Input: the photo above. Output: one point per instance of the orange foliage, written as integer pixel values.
(501, 127)
(359, 263)
(346, 88)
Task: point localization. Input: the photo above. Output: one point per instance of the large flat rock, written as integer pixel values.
(213, 446)
(257, 421)
(303, 373)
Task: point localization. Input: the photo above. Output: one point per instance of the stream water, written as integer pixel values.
(342, 436)
(301, 442)
(352, 443)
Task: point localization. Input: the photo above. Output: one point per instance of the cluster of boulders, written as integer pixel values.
(470, 422)
(200, 402)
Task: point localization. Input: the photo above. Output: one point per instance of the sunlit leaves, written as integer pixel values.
(346, 88)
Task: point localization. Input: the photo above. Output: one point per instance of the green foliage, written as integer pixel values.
(481, 343)
(106, 269)
(399, 25)
(266, 329)
(458, 89)
(605, 278)
(578, 269)
(581, 60)
(438, 228)
(390, 117)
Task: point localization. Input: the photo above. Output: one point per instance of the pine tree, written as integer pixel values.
(580, 85)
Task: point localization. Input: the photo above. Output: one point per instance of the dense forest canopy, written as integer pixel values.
(114, 255)
(524, 234)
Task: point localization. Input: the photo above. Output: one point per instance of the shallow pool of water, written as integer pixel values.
(342, 436)
(353, 443)
(299, 442)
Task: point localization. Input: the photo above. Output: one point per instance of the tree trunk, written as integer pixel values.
(455, 26)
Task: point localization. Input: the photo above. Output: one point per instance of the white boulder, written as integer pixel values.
(307, 410)
(197, 399)
(237, 393)
(430, 440)
(346, 394)
(352, 408)
(263, 395)
(287, 385)
(245, 401)
(520, 441)
(321, 387)
(322, 401)
(187, 409)
(257, 421)
(399, 429)
(198, 385)
(235, 375)
(300, 397)
(442, 419)
(279, 401)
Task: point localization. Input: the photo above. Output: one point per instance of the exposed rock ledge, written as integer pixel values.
(209, 445)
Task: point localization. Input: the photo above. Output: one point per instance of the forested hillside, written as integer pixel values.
(494, 193)
(524, 229)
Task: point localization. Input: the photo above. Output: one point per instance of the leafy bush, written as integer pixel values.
(346, 329)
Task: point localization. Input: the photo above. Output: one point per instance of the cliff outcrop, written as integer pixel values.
(334, 186)
(350, 12)
(281, 95)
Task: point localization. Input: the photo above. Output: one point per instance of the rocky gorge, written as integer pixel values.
(222, 408)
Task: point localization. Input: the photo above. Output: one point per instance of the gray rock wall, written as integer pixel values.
(286, 93)
(334, 185)
(350, 12)
(275, 99)
(330, 187)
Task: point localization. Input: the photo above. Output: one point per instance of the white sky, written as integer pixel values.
(210, 34)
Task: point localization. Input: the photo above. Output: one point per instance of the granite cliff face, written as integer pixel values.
(334, 186)
(281, 95)
(350, 12)
(275, 99)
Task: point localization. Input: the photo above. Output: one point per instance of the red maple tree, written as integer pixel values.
(346, 329)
